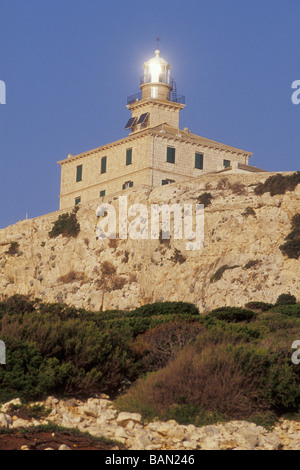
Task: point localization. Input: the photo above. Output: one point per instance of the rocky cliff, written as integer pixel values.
(242, 236)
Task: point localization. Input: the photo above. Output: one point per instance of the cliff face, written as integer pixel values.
(243, 232)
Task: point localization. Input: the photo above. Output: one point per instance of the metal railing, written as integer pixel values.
(173, 97)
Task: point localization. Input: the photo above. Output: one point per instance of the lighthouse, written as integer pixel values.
(157, 102)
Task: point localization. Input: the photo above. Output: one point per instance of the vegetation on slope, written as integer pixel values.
(232, 363)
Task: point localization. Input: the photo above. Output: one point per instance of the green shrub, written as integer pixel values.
(278, 184)
(291, 247)
(165, 308)
(249, 211)
(233, 314)
(13, 248)
(259, 306)
(286, 299)
(219, 273)
(251, 264)
(205, 199)
(178, 257)
(290, 310)
(66, 225)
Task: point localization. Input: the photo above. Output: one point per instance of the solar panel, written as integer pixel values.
(130, 123)
(143, 118)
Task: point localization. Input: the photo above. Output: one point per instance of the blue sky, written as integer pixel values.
(69, 66)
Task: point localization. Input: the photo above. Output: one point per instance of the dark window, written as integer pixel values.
(170, 154)
(164, 182)
(128, 156)
(78, 173)
(226, 163)
(103, 165)
(77, 200)
(199, 161)
(102, 193)
(128, 184)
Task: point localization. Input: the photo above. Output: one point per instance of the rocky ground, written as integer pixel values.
(99, 418)
(242, 231)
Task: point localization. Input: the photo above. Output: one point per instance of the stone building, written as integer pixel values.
(156, 151)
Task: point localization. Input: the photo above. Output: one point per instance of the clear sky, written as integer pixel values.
(69, 65)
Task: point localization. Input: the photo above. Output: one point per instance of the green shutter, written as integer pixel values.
(103, 165)
(102, 193)
(128, 156)
(78, 173)
(226, 163)
(170, 154)
(130, 184)
(77, 200)
(199, 161)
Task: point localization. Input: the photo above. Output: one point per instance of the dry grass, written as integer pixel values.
(208, 378)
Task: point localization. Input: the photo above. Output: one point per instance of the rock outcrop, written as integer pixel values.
(243, 232)
(98, 417)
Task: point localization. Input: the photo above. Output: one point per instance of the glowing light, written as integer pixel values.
(155, 71)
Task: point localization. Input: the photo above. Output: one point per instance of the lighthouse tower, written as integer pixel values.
(157, 102)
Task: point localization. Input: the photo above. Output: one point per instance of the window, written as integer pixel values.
(226, 163)
(128, 156)
(199, 161)
(78, 173)
(170, 154)
(164, 182)
(77, 200)
(128, 184)
(102, 193)
(154, 92)
(103, 165)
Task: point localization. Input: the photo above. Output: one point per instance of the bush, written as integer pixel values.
(165, 308)
(233, 314)
(108, 269)
(205, 199)
(13, 248)
(178, 257)
(66, 225)
(251, 264)
(209, 379)
(289, 310)
(238, 188)
(259, 306)
(291, 247)
(278, 184)
(162, 343)
(72, 276)
(219, 273)
(286, 299)
(249, 211)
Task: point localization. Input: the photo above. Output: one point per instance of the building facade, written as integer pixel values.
(156, 151)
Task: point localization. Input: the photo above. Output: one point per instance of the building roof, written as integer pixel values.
(242, 166)
(167, 131)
